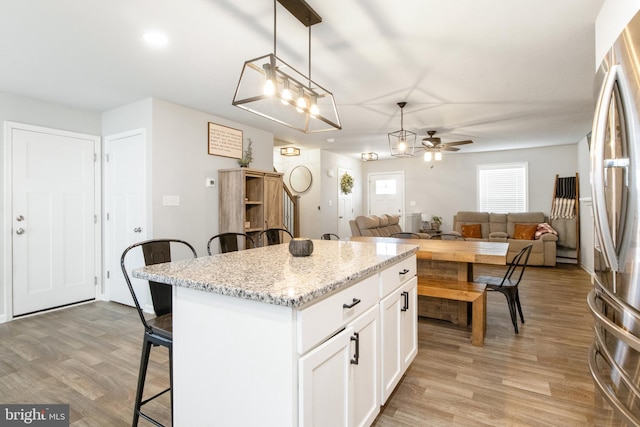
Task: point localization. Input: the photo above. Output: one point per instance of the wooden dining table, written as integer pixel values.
(452, 260)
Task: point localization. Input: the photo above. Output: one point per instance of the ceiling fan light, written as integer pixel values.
(438, 156)
(427, 156)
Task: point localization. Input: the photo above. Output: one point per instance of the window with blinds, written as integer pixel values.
(503, 188)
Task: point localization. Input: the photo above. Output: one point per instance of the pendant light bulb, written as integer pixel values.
(313, 109)
(269, 88)
(286, 95)
(301, 103)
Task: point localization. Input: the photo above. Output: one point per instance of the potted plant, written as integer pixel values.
(247, 157)
(435, 222)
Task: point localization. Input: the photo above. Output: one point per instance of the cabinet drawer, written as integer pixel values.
(321, 320)
(396, 275)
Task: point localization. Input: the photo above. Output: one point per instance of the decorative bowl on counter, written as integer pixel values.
(300, 246)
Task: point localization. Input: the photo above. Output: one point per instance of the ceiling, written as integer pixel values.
(505, 73)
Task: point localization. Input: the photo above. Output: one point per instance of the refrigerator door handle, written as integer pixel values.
(600, 319)
(617, 163)
(605, 388)
(597, 166)
(599, 348)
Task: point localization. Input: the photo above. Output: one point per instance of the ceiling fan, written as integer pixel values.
(434, 143)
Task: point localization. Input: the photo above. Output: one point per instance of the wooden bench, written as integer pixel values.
(460, 291)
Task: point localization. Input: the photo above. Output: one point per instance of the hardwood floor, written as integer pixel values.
(88, 356)
(537, 378)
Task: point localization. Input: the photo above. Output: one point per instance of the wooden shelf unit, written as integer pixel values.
(250, 200)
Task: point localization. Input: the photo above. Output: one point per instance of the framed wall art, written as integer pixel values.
(225, 141)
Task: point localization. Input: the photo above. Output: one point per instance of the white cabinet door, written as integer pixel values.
(398, 335)
(409, 322)
(323, 383)
(364, 387)
(390, 343)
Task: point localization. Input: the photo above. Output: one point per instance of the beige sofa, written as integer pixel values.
(501, 227)
(377, 226)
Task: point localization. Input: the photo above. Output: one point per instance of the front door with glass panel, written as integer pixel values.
(386, 194)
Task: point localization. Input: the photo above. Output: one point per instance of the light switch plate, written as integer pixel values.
(210, 182)
(170, 200)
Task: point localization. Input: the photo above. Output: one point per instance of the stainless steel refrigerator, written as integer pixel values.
(614, 301)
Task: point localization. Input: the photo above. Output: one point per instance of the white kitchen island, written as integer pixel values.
(262, 338)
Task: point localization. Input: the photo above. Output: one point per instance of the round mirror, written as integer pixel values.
(300, 179)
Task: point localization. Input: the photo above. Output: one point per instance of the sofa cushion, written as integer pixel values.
(523, 218)
(366, 222)
(472, 230)
(368, 225)
(391, 219)
(524, 231)
(470, 218)
(497, 223)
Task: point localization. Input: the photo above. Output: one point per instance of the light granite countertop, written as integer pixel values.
(272, 275)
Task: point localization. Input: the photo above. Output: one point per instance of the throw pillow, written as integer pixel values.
(524, 231)
(472, 230)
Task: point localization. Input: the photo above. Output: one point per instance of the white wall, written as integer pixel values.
(34, 112)
(329, 198)
(181, 163)
(446, 187)
(319, 205)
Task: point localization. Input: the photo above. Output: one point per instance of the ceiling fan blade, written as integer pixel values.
(467, 141)
(447, 148)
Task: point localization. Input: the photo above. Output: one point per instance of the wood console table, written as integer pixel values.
(448, 260)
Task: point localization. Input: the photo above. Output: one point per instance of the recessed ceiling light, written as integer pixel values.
(155, 38)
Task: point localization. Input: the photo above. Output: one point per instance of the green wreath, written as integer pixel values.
(346, 183)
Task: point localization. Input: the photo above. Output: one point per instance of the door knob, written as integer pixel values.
(20, 231)
(19, 218)
(137, 230)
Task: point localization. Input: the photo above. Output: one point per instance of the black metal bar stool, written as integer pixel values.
(159, 330)
(229, 242)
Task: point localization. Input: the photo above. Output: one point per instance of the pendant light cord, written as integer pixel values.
(309, 56)
(274, 28)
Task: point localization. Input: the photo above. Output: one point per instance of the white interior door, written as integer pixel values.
(55, 230)
(386, 194)
(125, 213)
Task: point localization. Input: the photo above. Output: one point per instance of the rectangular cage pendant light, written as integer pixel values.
(273, 89)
